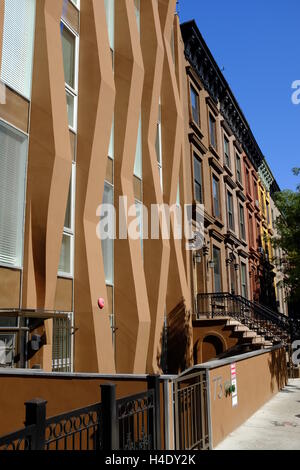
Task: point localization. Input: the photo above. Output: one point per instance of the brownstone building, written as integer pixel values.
(104, 99)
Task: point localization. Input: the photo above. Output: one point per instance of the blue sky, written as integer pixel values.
(257, 41)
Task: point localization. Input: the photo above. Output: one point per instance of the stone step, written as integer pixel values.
(241, 328)
(232, 323)
(249, 334)
(258, 340)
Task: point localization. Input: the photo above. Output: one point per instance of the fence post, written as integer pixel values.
(154, 384)
(36, 414)
(110, 434)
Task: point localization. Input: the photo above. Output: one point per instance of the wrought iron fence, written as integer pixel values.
(191, 412)
(78, 430)
(135, 421)
(130, 423)
(251, 314)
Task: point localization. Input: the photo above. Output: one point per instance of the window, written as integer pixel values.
(248, 187)
(195, 105)
(251, 235)
(13, 159)
(216, 198)
(256, 193)
(217, 269)
(108, 243)
(111, 149)
(77, 3)
(212, 131)
(268, 213)
(273, 218)
(139, 215)
(198, 179)
(66, 263)
(18, 44)
(110, 20)
(62, 344)
(244, 280)
(158, 146)
(178, 195)
(68, 47)
(227, 152)
(137, 8)
(138, 153)
(7, 350)
(242, 223)
(238, 169)
(230, 211)
(70, 61)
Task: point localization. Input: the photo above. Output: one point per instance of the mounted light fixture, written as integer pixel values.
(211, 264)
(197, 257)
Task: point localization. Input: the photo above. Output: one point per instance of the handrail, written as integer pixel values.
(246, 311)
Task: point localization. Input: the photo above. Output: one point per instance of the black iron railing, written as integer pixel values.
(130, 423)
(251, 314)
(191, 412)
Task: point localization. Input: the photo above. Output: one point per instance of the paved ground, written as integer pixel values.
(276, 426)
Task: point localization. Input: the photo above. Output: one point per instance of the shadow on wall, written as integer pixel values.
(278, 369)
(176, 353)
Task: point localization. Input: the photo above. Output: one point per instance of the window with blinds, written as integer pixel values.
(62, 344)
(18, 42)
(13, 157)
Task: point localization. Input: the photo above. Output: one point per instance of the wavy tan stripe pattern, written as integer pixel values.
(93, 351)
(49, 166)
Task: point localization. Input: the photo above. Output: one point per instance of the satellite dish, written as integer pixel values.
(101, 303)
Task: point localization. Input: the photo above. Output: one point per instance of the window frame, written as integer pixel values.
(159, 157)
(107, 282)
(70, 232)
(242, 225)
(227, 157)
(230, 196)
(212, 118)
(70, 90)
(20, 265)
(238, 168)
(217, 249)
(199, 161)
(194, 90)
(219, 216)
(244, 270)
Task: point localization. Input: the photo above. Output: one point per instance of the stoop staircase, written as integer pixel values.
(258, 325)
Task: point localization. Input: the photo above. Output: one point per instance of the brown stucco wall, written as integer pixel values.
(258, 380)
(62, 395)
(15, 110)
(10, 288)
(218, 328)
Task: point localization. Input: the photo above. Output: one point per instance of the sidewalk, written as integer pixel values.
(276, 426)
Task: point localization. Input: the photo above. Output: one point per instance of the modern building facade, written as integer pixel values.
(102, 100)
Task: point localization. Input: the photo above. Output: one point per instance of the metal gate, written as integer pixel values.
(191, 412)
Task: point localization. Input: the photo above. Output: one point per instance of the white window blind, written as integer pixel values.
(13, 156)
(18, 41)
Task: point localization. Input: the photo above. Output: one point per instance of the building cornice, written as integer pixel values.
(200, 58)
